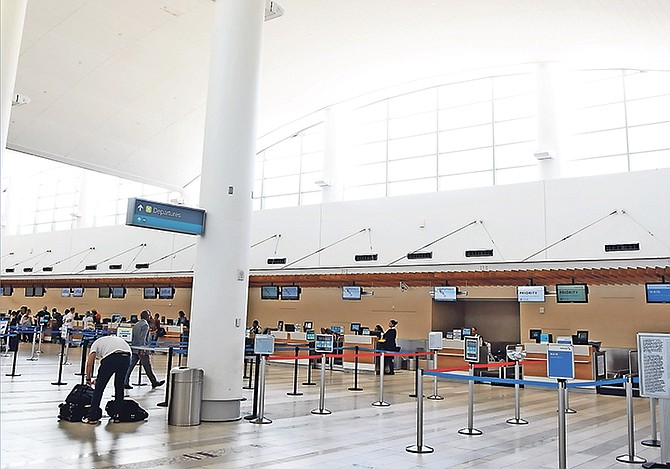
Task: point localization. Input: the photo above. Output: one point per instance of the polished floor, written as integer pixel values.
(356, 434)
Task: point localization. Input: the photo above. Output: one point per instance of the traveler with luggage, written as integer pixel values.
(114, 354)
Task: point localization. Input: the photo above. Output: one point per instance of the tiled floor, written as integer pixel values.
(355, 435)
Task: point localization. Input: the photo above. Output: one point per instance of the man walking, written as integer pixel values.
(141, 339)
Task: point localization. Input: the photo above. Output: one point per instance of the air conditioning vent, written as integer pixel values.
(622, 247)
(420, 255)
(365, 257)
(141, 266)
(91, 267)
(276, 260)
(479, 253)
(115, 266)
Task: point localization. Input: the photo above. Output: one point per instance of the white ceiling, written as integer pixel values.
(119, 85)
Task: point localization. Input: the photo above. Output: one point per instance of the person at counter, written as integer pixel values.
(378, 331)
(255, 328)
(141, 339)
(389, 344)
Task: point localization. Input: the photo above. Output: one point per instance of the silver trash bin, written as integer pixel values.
(185, 396)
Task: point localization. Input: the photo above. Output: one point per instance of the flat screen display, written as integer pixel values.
(572, 293)
(104, 292)
(471, 349)
(311, 336)
(535, 334)
(150, 293)
(29, 291)
(78, 292)
(323, 343)
(118, 292)
(269, 292)
(65, 292)
(290, 292)
(355, 327)
(39, 291)
(351, 293)
(7, 291)
(308, 325)
(166, 293)
(657, 292)
(444, 293)
(530, 294)
(337, 329)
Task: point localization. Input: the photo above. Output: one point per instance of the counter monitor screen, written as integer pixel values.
(337, 329)
(289, 327)
(365, 330)
(465, 331)
(582, 337)
(290, 292)
(269, 292)
(323, 343)
(308, 325)
(530, 294)
(352, 293)
(445, 293)
(311, 336)
(572, 293)
(535, 335)
(355, 327)
(657, 292)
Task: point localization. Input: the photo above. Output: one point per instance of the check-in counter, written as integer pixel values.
(451, 355)
(536, 361)
(285, 343)
(363, 342)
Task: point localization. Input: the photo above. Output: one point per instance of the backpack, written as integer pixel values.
(130, 411)
(77, 404)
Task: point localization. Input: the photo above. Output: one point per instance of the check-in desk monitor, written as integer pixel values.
(311, 336)
(323, 343)
(471, 349)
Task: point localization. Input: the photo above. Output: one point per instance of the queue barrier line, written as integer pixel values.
(340, 355)
(522, 382)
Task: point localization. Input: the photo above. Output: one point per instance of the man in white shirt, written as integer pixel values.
(114, 354)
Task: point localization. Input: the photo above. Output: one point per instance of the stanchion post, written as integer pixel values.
(517, 420)
(381, 402)
(32, 357)
(16, 352)
(630, 458)
(309, 381)
(295, 375)
(471, 406)
(435, 396)
(322, 389)
(419, 447)
(417, 371)
(254, 413)
(167, 379)
(251, 374)
(82, 369)
(562, 436)
(39, 342)
(654, 441)
(261, 395)
(355, 386)
(60, 365)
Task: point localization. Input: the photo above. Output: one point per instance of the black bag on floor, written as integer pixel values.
(130, 411)
(77, 404)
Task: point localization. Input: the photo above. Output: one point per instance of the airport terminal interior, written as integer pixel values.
(492, 172)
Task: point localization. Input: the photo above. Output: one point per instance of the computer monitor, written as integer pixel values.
(546, 338)
(355, 327)
(466, 331)
(535, 335)
(289, 327)
(133, 318)
(311, 336)
(365, 331)
(582, 338)
(337, 329)
(307, 325)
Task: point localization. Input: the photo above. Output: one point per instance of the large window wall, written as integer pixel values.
(467, 133)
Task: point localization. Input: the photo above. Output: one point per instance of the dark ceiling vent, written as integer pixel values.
(115, 266)
(91, 267)
(622, 247)
(479, 253)
(420, 255)
(365, 257)
(141, 266)
(276, 260)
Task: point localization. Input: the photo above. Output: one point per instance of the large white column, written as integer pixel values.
(12, 16)
(220, 284)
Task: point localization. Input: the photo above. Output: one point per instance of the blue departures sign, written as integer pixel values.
(167, 217)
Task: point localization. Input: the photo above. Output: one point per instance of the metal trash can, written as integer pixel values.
(185, 396)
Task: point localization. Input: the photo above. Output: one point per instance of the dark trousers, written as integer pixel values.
(144, 358)
(115, 364)
(389, 363)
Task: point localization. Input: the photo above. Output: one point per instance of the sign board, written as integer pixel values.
(166, 217)
(560, 361)
(471, 349)
(435, 340)
(264, 344)
(323, 343)
(125, 332)
(654, 364)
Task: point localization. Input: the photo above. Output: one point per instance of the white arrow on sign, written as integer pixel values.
(140, 207)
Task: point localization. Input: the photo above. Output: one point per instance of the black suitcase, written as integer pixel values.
(77, 404)
(130, 411)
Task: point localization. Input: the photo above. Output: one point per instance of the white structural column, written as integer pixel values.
(220, 283)
(547, 131)
(12, 16)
